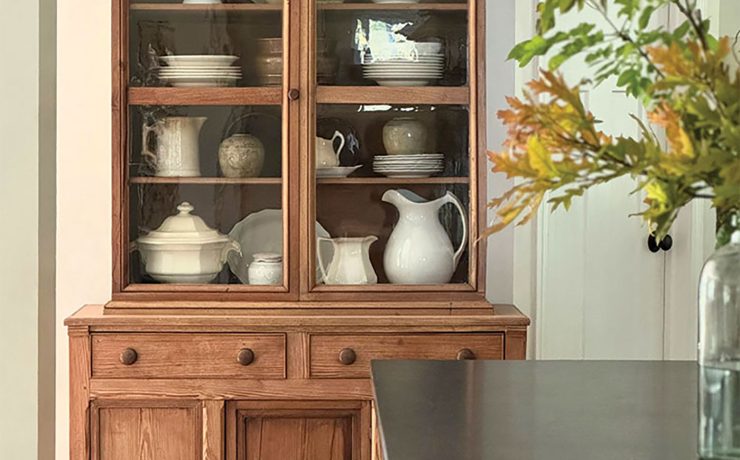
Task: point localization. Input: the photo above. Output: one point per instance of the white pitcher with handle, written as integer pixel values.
(326, 156)
(419, 251)
(351, 262)
(177, 152)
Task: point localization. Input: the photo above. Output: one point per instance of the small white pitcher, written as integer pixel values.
(351, 262)
(326, 157)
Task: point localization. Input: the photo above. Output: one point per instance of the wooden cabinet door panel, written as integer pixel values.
(127, 430)
(306, 437)
(297, 430)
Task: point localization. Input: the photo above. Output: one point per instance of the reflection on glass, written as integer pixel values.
(393, 47)
(391, 141)
(393, 192)
(205, 48)
(205, 181)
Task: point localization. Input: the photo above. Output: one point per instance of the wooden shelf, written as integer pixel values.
(393, 6)
(267, 95)
(391, 180)
(207, 180)
(205, 7)
(452, 95)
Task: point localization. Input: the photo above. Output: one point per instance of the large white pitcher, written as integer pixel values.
(419, 251)
(351, 262)
(177, 152)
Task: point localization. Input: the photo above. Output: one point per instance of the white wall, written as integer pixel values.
(84, 175)
(27, 159)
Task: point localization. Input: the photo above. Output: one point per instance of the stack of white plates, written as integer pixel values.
(419, 71)
(423, 165)
(200, 70)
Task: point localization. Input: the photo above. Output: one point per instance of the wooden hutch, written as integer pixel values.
(230, 369)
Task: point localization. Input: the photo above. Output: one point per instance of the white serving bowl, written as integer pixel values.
(184, 249)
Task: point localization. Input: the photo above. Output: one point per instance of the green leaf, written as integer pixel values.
(645, 16)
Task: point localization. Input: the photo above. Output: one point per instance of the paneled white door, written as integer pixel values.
(601, 291)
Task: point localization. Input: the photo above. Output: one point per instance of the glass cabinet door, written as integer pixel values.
(394, 162)
(205, 158)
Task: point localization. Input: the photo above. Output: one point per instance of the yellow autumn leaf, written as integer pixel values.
(539, 158)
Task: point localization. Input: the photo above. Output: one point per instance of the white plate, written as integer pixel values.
(402, 72)
(408, 175)
(403, 82)
(203, 70)
(200, 77)
(201, 67)
(263, 232)
(202, 84)
(199, 60)
(403, 76)
(340, 171)
(400, 170)
(415, 156)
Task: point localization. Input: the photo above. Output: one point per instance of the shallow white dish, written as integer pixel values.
(340, 171)
(200, 70)
(262, 231)
(199, 60)
(403, 82)
(201, 77)
(203, 84)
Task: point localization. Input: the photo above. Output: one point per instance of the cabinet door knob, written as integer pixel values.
(465, 353)
(294, 94)
(128, 356)
(347, 356)
(245, 356)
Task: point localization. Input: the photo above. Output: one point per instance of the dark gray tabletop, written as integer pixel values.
(522, 410)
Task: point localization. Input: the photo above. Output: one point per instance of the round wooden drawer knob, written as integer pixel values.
(294, 94)
(347, 356)
(465, 353)
(128, 356)
(245, 356)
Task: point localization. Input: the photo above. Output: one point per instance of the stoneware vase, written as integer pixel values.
(241, 155)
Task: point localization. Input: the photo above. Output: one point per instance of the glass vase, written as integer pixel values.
(719, 353)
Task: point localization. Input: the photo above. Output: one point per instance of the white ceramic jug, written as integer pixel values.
(351, 262)
(177, 153)
(326, 157)
(419, 251)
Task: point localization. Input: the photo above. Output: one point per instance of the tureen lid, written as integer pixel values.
(272, 257)
(183, 227)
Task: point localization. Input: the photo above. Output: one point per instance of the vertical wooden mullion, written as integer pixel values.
(119, 109)
(478, 97)
(291, 143)
(308, 130)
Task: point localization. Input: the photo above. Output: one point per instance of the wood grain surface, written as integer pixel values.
(188, 355)
(325, 350)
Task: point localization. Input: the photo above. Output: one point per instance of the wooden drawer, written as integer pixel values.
(188, 356)
(348, 356)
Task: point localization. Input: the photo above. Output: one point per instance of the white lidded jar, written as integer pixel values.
(184, 249)
(266, 269)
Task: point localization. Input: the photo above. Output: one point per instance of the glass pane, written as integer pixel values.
(416, 45)
(226, 163)
(399, 174)
(204, 45)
